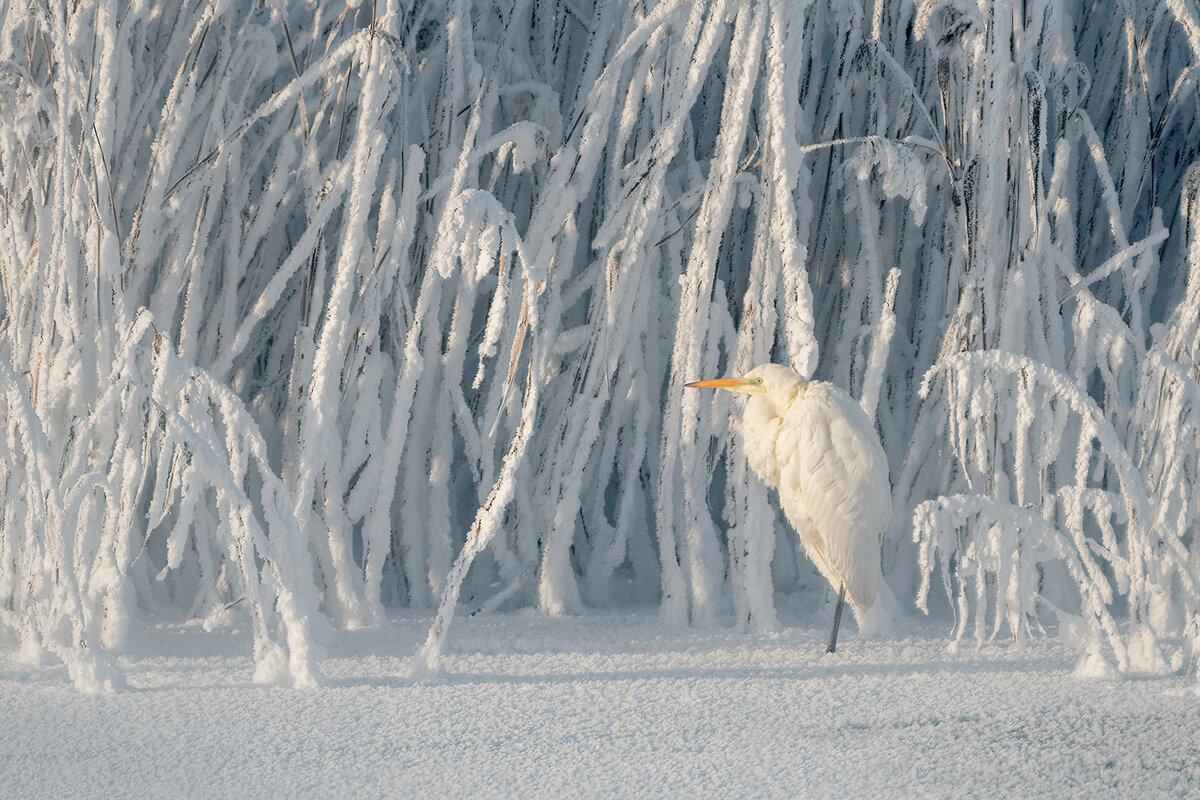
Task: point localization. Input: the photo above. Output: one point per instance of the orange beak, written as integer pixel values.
(717, 383)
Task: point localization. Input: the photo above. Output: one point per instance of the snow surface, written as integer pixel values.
(605, 705)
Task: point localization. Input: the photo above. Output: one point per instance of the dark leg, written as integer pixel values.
(837, 620)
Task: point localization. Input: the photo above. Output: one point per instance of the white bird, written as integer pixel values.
(815, 444)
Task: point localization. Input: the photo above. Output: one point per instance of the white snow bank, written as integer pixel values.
(602, 706)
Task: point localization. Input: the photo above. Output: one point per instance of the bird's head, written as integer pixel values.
(772, 380)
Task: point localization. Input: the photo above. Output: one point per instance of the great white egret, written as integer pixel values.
(815, 444)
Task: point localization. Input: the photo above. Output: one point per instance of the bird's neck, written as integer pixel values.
(777, 403)
(760, 426)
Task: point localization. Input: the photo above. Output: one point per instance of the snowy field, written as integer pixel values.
(609, 705)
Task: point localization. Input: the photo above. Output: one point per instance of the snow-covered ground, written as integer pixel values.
(611, 705)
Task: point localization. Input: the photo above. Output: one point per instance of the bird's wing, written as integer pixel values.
(833, 486)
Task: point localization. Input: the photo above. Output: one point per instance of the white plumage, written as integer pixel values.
(814, 443)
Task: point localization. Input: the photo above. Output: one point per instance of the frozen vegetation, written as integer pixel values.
(316, 315)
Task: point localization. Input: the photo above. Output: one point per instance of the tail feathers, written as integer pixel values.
(878, 620)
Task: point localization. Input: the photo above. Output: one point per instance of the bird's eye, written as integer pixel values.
(758, 381)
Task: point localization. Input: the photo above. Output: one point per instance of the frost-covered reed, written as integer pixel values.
(313, 311)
